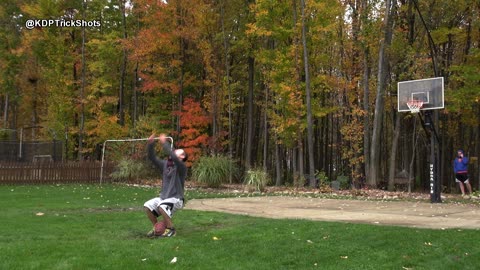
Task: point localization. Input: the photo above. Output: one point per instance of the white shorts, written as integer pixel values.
(170, 205)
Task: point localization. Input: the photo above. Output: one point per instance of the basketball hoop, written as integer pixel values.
(415, 105)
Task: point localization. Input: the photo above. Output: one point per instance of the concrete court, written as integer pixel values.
(397, 213)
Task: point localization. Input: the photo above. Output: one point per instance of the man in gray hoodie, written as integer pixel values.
(174, 172)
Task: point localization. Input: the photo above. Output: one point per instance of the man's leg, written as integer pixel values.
(151, 216)
(166, 209)
(166, 218)
(469, 187)
(462, 188)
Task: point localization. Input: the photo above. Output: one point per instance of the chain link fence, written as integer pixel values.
(32, 151)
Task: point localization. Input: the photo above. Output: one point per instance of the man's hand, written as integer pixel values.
(162, 138)
(151, 138)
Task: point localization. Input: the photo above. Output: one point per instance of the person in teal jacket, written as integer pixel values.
(460, 168)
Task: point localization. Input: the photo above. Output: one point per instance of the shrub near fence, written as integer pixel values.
(52, 172)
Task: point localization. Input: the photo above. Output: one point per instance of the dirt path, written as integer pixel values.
(411, 214)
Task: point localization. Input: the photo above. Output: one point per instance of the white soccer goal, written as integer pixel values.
(116, 149)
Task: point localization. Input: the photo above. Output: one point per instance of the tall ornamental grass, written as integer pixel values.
(214, 171)
(129, 169)
(256, 179)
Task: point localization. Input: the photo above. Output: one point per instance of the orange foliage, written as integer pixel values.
(194, 123)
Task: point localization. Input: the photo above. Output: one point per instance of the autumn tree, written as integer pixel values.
(194, 138)
(382, 78)
(271, 82)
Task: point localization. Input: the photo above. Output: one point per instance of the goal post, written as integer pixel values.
(104, 150)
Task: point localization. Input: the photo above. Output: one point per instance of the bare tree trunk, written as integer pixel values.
(15, 109)
(310, 145)
(294, 167)
(248, 154)
(298, 160)
(366, 108)
(82, 89)
(265, 132)
(180, 92)
(278, 162)
(135, 97)
(215, 127)
(393, 154)
(229, 89)
(34, 108)
(301, 165)
(75, 114)
(136, 78)
(182, 67)
(477, 140)
(373, 177)
(123, 69)
(5, 111)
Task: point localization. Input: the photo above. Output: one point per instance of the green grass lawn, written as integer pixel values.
(103, 227)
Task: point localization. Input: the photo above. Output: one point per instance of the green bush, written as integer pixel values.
(257, 179)
(344, 181)
(5, 134)
(131, 169)
(214, 171)
(322, 178)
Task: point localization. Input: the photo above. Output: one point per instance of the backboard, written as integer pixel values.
(430, 91)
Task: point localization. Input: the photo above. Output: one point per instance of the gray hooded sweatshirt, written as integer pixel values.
(173, 170)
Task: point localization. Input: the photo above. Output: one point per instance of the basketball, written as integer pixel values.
(160, 228)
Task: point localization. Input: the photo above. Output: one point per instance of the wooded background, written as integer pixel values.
(295, 87)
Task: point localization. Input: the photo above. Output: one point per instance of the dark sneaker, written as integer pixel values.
(169, 232)
(151, 233)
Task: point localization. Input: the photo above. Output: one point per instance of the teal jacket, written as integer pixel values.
(460, 165)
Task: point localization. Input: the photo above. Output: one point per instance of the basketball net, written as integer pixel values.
(415, 105)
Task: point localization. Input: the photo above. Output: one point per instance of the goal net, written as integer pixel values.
(126, 160)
